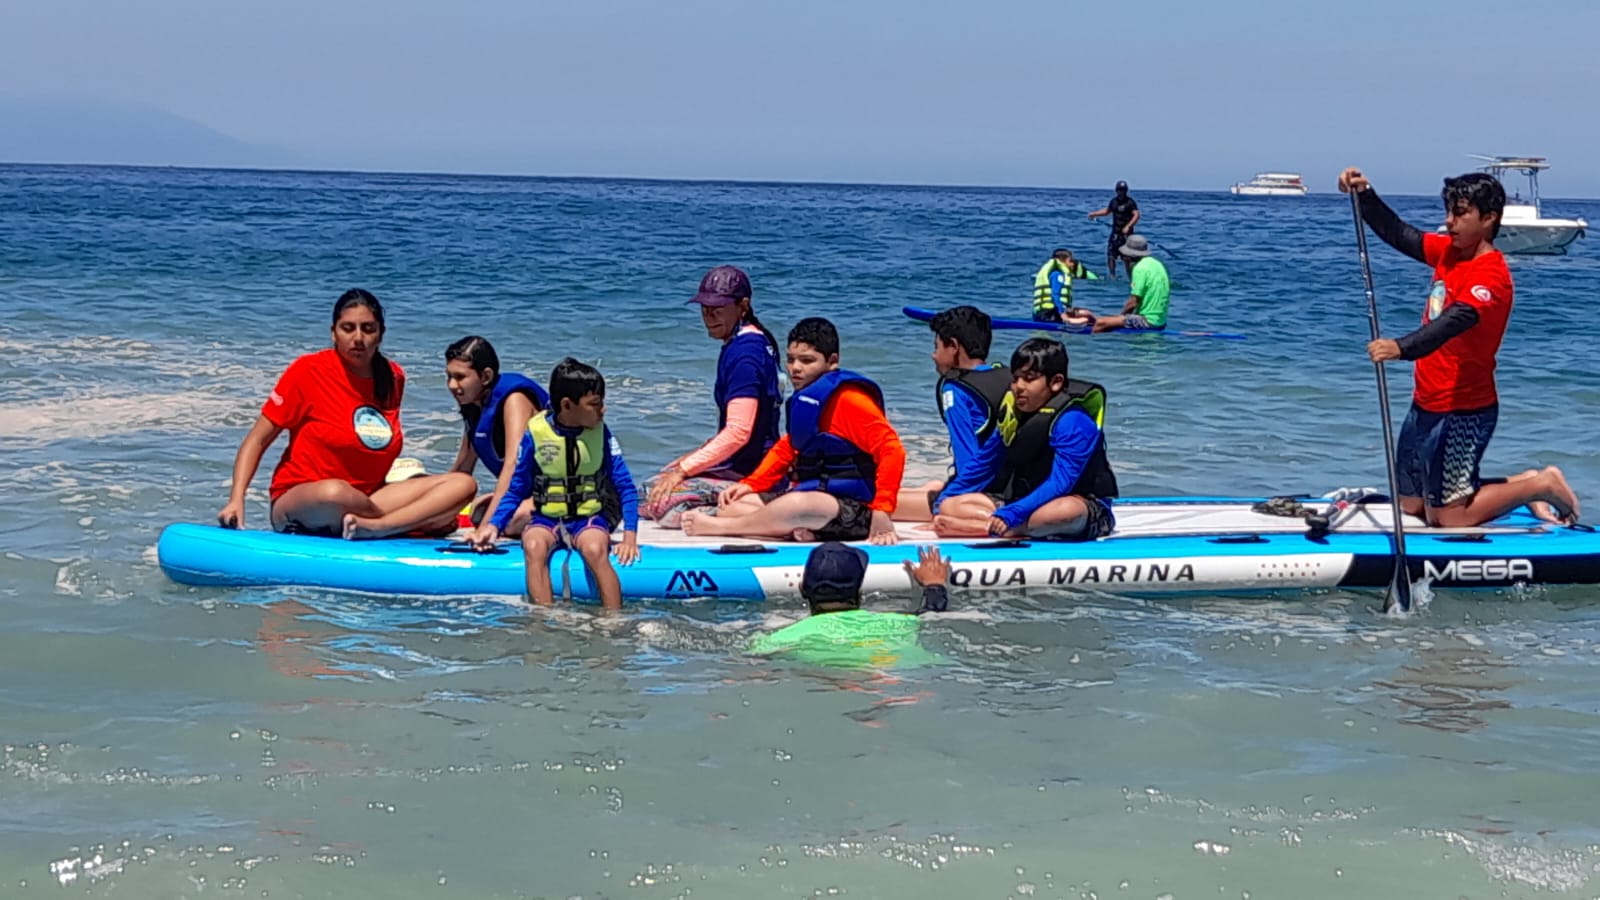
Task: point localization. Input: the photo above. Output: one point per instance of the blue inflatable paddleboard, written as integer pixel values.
(1001, 324)
(1160, 546)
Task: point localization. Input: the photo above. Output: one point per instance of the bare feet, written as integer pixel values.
(357, 528)
(699, 522)
(952, 527)
(1561, 496)
(1544, 512)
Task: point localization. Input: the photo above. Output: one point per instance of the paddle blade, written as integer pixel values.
(1399, 595)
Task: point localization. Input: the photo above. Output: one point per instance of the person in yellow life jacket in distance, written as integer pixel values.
(1052, 286)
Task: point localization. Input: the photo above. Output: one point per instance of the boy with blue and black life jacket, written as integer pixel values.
(495, 407)
(571, 467)
(1058, 482)
(838, 467)
(974, 397)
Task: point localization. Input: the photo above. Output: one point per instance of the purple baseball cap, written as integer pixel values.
(723, 286)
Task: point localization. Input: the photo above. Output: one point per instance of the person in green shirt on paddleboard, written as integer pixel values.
(839, 632)
(1149, 291)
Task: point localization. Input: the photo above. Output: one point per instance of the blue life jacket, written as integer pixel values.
(488, 429)
(826, 462)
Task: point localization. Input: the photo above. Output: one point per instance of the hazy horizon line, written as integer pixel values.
(652, 179)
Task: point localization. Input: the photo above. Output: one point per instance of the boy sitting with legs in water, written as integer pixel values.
(839, 465)
(572, 468)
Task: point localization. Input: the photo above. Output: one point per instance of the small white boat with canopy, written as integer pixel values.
(1523, 227)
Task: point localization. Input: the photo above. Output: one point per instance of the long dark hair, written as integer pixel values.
(478, 353)
(749, 318)
(382, 375)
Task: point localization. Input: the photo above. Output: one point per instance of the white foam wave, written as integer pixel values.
(89, 418)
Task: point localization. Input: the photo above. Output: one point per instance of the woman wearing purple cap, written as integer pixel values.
(749, 402)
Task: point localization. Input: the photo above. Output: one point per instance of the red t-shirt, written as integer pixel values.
(337, 428)
(1460, 375)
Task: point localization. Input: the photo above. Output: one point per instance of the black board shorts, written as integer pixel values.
(853, 523)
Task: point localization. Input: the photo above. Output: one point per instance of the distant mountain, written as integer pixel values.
(73, 130)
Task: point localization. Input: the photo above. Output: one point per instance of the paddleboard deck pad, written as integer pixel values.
(1003, 324)
(1160, 546)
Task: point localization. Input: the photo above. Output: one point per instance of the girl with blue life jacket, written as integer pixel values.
(838, 468)
(495, 407)
(570, 469)
(1057, 482)
(749, 402)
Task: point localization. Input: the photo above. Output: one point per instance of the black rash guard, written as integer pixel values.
(1456, 318)
(1389, 226)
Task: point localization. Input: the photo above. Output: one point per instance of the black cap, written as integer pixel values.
(834, 573)
(1122, 187)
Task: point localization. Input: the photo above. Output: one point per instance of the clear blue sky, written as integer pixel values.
(1164, 93)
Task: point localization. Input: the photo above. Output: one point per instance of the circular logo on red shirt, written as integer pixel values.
(372, 428)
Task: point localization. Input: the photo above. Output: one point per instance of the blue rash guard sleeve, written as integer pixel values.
(622, 480)
(1058, 280)
(521, 486)
(975, 463)
(1072, 439)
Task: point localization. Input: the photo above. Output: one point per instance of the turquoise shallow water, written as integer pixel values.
(161, 741)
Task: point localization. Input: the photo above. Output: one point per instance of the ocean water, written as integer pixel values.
(164, 741)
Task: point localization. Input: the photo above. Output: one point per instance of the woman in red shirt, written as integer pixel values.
(341, 407)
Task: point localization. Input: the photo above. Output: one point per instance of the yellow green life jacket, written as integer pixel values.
(1041, 286)
(568, 483)
(1029, 457)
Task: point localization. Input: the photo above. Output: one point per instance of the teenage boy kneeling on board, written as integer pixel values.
(1059, 483)
(839, 464)
(572, 468)
(1454, 407)
(841, 633)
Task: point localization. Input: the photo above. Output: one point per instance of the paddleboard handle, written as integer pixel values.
(464, 547)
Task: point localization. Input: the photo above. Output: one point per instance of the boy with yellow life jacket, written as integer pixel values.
(572, 469)
(839, 466)
(1058, 482)
(1052, 286)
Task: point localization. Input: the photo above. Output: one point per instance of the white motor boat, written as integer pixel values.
(1271, 184)
(1523, 227)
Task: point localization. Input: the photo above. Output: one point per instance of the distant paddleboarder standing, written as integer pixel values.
(1124, 213)
(1455, 408)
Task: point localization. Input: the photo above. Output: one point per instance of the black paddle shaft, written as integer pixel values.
(1400, 586)
(1153, 245)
